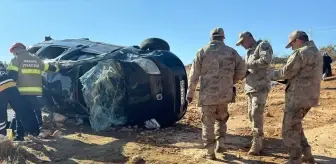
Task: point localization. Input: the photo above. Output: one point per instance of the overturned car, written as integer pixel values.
(113, 85)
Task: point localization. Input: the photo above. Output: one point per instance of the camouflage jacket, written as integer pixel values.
(258, 61)
(218, 67)
(303, 71)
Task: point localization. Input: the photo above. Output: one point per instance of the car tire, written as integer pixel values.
(154, 44)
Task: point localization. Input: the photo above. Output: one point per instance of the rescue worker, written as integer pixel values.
(26, 70)
(257, 84)
(9, 94)
(219, 67)
(303, 73)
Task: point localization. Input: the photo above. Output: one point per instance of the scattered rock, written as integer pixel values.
(137, 160)
(45, 134)
(34, 139)
(59, 125)
(239, 156)
(57, 159)
(57, 133)
(58, 118)
(268, 114)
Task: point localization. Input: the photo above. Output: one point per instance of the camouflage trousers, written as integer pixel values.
(214, 118)
(294, 138)
(256, 106)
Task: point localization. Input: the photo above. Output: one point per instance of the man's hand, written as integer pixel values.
(189, 99)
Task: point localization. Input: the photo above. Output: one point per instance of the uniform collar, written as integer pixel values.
(216, 42)
(255, 44)
(309, 43)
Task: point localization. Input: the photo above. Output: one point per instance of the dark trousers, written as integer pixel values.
(3, 115)
(23, 111)
(327, 70)
(36, 106)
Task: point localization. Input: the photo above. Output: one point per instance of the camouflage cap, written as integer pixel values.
(242, 36)
(294, 35)
(217, 32)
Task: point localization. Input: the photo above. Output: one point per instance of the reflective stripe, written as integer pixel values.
(30, 89)
(57, 69)
(7, 85)
(12, 68)
(30, 71)
(3, 127)
(3, 82)
(46, 66)
(3, 123)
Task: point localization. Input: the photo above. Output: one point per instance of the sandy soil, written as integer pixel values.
(182, 143)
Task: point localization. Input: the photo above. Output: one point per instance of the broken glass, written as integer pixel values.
(104, 90)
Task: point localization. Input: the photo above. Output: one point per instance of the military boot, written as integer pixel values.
(296, 161)
(210, 151)
(294, 156)
(257, 144)
(221, 148)
(307, 155)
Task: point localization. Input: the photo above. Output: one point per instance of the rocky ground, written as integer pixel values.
(182, 143)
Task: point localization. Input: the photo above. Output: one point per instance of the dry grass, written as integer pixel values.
(277, 66)
(10, 153)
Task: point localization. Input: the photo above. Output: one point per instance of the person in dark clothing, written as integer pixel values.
(327, 72)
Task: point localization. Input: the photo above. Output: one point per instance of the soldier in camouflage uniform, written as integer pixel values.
(219, 67)
(257, 85)
(303, 74)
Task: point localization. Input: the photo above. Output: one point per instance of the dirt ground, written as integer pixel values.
(182, 143)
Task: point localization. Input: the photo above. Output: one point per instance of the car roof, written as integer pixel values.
(93, 47)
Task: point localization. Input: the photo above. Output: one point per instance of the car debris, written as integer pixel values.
(152, 124)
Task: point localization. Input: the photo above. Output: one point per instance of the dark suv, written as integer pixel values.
(111, 84)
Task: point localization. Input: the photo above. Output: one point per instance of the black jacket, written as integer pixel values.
(4, 77)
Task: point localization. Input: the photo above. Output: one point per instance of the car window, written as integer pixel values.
(52, 52)
(33, 50)
(77, 55)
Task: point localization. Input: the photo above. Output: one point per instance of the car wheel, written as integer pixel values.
(154, 44)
